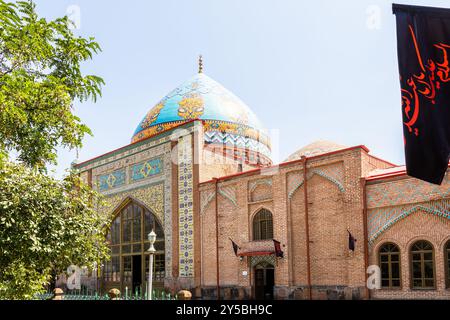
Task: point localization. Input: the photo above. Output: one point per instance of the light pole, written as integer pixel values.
(151, 251)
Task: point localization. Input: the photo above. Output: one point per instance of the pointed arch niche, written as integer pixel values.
(127, 237)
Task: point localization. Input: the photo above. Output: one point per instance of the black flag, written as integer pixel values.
(423, 45)
(278, 252)
(351, 241)
(235, 247)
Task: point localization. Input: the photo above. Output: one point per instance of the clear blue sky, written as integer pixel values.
(321, 69)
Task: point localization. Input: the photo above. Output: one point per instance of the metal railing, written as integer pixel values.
(92, 295)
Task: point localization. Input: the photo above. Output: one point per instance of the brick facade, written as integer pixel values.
(346, 190)
(335, 204)
(403, 210)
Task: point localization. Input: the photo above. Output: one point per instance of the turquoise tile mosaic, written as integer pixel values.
(111, 180)
(146, 169)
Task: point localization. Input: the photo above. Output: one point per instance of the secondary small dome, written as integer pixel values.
(314, 149)
(227, 120)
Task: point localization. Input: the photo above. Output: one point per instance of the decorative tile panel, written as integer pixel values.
(253, 197)
(185, 210)
(229, 192)
(112, 180)
(263, 260)
(155, 191)
(168, 210)
(146, 169)
(334, 174)
(127, 152)
(151, 196)
(406, 191)
(236, 141)
(390, 202)
(293, 180)
(255, 183)
(381, 219)
(205, 198)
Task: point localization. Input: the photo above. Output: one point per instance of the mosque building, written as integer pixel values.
(198, 172)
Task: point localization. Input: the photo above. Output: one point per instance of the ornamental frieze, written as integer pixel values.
(150, 196)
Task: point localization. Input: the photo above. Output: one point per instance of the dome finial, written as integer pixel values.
(200, 64)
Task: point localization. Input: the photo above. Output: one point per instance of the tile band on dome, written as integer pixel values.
(209, 126)
(237, 141)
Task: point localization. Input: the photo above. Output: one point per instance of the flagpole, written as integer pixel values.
(308, 257)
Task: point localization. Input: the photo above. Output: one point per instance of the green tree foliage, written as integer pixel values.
(45, 224)
(40, 78)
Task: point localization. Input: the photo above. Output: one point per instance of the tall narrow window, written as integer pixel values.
(447, 264)
(422, 265)
(263, 225)
(128, 240)
(389, 259)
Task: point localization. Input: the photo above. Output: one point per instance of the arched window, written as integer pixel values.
(263, 225)
(422, 265)
(389, 259)
(128, 238)
(447, 263)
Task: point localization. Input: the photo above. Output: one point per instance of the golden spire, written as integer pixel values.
(200, 64)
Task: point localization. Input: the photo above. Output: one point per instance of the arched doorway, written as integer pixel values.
(128, 238)
(264, 281)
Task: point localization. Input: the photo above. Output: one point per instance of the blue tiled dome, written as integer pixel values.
(227, 120)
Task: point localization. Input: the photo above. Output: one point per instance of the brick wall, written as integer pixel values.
(334, 205)
(403, 210)
(418, 226)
